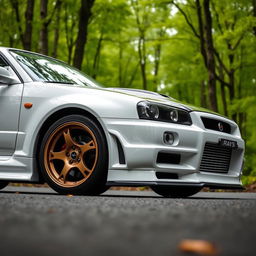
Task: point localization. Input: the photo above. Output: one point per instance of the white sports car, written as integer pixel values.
(59, 126)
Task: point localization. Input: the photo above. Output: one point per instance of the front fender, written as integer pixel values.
(48, 99)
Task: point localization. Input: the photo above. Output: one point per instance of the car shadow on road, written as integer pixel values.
(187, 198)
(143, 195)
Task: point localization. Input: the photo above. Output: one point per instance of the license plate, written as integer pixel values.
(228, 143)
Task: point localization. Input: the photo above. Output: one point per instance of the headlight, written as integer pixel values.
(174, 115)
(164, 113)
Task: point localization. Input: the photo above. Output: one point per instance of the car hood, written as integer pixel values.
(156, 97)
(142, 95)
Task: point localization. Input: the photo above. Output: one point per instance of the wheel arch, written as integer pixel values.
(53, 118)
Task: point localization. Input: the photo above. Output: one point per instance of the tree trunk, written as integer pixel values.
(15, 6)
(232, 89)
(141, 44)
(69, 33)
(133, 75)
(43, 43)
(142, 58)
(157, 53)
(25, 37)
(231, 76)
(203, 95)
(120, 66)
(56, 30)
(11, 41)
(97, 56)
(201, 31)
(254, 14)
(223, 92)
(210, 56)
(85, 14)
(29, 14)
(224, 101)
(179, 92)
(127, 75)
(156, 65)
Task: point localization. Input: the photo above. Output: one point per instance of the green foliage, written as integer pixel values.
(248, 180)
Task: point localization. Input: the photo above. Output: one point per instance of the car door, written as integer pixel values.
(10, 101)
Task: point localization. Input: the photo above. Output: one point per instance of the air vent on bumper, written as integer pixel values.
(167, 176)
(216, 125)
(168, 158)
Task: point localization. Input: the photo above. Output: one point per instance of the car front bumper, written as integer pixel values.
(141, 142)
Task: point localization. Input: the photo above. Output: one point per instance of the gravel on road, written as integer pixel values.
(37, 221)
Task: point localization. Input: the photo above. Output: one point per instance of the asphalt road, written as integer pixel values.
(37, 221)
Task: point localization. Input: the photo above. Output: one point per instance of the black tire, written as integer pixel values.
(3, 184)
(175, 192)
(100, 190)
(73, 156)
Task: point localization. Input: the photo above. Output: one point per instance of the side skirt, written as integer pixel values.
(18, 169)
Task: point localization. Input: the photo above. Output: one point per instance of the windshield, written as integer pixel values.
(46, 69)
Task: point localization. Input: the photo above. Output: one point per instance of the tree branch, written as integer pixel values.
(222, 81)
(56, 6)
(238, 41)
(186, 18)
(220, 61)
(217, 18)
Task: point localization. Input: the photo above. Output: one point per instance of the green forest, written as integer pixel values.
(202, 52)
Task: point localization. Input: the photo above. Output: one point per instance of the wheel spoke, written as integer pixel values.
(64, 172)
(68, 139)
(83, 169)
(88, 146)
(61, 155)
(71, 154)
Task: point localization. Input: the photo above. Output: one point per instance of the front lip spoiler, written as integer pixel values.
(174, 184)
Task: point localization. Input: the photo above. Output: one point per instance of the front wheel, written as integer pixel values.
(3, 184)
(175, 192)
(74, 156)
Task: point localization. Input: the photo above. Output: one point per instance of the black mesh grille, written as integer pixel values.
(215, 158)
(216, 125)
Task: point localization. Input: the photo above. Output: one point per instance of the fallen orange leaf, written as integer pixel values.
(50, 210)
(198, 246)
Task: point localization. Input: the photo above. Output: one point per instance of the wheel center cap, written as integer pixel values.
(73, 155)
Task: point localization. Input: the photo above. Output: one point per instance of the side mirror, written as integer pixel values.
(7, 78)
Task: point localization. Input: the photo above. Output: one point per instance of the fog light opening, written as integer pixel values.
(168, 138)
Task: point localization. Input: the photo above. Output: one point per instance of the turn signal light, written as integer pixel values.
(28, 105)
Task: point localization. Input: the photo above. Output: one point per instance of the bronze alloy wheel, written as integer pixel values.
(71, 154)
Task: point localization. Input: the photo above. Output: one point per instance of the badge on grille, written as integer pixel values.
(220, 126)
